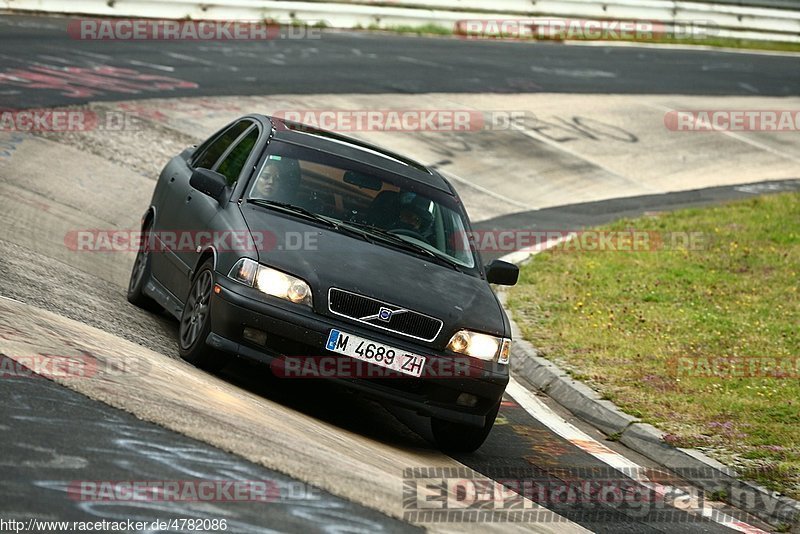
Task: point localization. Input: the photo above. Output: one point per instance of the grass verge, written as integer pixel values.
(702, 342)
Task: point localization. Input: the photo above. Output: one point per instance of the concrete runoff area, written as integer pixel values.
(520, 152)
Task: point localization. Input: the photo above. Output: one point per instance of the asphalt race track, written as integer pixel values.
(592, 148)
(349, 62)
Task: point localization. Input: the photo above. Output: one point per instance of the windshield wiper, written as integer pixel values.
(365, 231)
(399, 241)
(295, 210)
(299, 210)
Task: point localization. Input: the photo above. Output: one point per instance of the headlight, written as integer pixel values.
(272, 282)
(481, 346)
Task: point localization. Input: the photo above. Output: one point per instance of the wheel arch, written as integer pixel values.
(148, 217)
(208, 253)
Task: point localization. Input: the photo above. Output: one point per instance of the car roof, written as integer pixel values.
(357, 150)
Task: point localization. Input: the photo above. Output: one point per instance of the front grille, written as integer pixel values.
(367, 310)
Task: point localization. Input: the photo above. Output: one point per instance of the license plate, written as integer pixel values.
(376, 353)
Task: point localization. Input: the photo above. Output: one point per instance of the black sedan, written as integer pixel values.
(324, 256)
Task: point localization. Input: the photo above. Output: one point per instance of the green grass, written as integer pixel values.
(723, 42)
(424, 29)
(623, 320)
(719, 42)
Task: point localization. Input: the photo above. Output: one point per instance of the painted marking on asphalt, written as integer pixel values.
(92, 55)
(192, 59)
(165, 68)
(448, 174)
(762, 146)
(9, 144)
(573, 73)
(542, 413)
(359, 53)
(82, 82)
(575, 154)
(738, 137)
(422, 62)
(770, 187)
(519, 256)
(748, 87)
(54, 58)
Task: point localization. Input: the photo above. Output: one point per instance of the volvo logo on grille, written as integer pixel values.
(383, 315)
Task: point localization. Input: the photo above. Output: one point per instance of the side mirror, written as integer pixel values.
(209, 183)
(502, 273)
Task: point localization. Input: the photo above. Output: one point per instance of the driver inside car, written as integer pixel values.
(278, 181)
(415, 215)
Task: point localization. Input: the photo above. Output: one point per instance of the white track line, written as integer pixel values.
(156, 66)
(583, 157)
(739, 137)
(498, 196)
(628, 468)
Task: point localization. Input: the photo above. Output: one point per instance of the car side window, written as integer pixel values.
(231, 167)
(218, 147)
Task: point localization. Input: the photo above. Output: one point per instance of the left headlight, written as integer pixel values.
(271, 281)
(481, 346)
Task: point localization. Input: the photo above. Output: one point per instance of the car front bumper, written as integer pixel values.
(303, 333)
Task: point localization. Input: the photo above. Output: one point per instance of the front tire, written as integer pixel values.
(195, 323)
(457, 437)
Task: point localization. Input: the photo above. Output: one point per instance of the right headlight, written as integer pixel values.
(481, 346)
(271, 281)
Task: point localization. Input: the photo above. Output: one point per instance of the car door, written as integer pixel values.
(202, 209)
(184, 211)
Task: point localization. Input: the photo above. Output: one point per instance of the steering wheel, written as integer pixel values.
(409, 233)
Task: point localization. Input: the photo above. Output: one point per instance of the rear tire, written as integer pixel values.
(195, 323)
(457, 437)
(140, 274)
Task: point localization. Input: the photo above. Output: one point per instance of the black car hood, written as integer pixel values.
(326, 258)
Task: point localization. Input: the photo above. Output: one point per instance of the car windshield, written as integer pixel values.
(369, 199)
